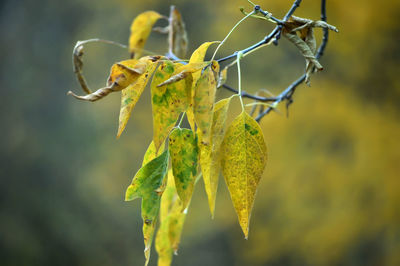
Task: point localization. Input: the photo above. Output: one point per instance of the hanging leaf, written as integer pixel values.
(244, 157)
(210, 154)
(204, 96)
(148, 185)
(172, 219)
(151, 153)
(177, 38)
(140, 31)
(131, 95)
(197, 57)
(168, 101)
(184, 157)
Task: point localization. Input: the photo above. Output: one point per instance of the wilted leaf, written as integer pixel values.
(184, 157)
(222, 76)
(140, 31)
(168, 101)
(122, 74)
(210, 154)
(243, 159)
(204, 96)
(148, 184)
(306, 42)
(177, 39)
(131, 95)
(172, 219)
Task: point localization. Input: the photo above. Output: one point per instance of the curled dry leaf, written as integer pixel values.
(122, 75)
(177, 38)
(305, 41)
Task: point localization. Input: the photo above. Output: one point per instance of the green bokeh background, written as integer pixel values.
(330, 193)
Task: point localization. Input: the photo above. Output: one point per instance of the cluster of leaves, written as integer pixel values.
(178, 157)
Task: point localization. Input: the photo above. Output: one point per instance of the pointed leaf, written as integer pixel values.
(168, 101)
(151, 153)
(204, 96)
(197, 57)
(140, 31)
(131, 95)
(172, 219)
(184, 156)
(210, 154)
(244, 157)
(146, 185)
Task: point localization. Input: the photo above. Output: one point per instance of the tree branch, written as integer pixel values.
(287, 94)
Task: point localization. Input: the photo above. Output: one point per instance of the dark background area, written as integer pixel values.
(330, 193)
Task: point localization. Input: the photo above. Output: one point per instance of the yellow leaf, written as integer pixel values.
(243, 159)
(131, 95)
(172, 219)
(210, 154)
(184, 157)
(197, 57)
(140, 31)
(203, 102)
(168, 101)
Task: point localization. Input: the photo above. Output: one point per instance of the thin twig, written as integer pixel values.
(289, 91)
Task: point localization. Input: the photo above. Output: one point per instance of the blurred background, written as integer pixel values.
(330, 193)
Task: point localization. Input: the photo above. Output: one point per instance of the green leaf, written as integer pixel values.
(148, 185)
(210, 154)
(244, 157)
(168, 101)
(184, 157)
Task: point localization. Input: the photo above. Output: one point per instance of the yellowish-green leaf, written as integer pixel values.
(172, 219)
(148, 184)
(210, 154)
(243, 159)
(140, 31)
(168, 101)
(184, 157)
(203, 102)
(151, 153)
(131, 95)
(197, 57)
